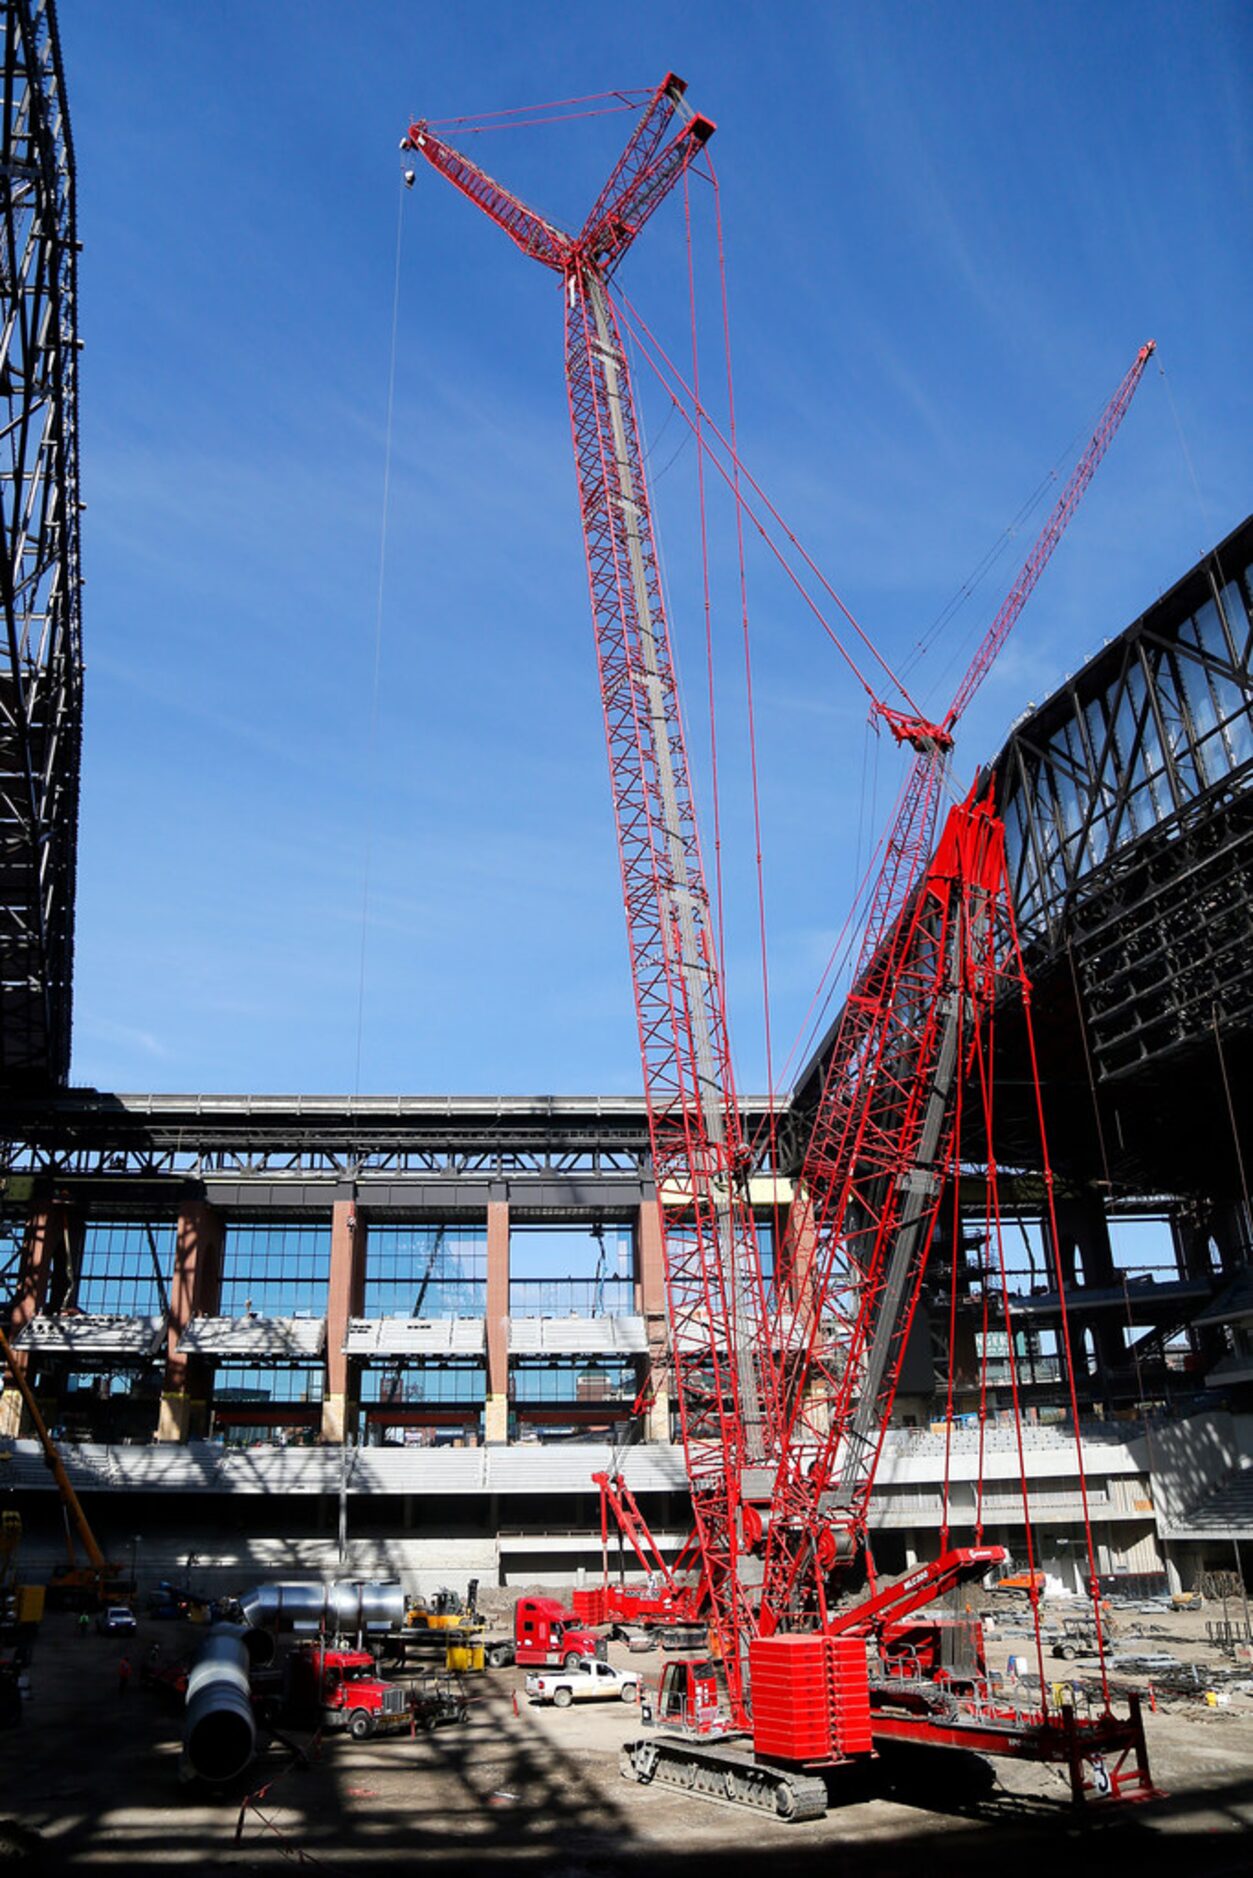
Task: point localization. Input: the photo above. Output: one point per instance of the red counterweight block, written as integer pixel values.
(811, 1697)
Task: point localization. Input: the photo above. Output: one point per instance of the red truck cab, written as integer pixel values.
(344, 1690)
(548, 1636)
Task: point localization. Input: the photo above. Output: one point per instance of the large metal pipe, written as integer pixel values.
(219, 1730)
(344, 1607)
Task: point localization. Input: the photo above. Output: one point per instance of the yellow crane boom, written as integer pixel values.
(98, 1571)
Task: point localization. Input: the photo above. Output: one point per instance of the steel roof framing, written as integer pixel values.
(40, 639)
(1129, 816)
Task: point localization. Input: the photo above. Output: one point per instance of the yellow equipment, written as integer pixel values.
(465, 1653)
(21, 1606)
(30, 1604)
(445, 1611)
(454, 1619)
(98, 1581)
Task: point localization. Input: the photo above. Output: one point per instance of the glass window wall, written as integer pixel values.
(276, 1270)
(409, 1384)
(426, 1271)
(117, 1274)
(575, 1270)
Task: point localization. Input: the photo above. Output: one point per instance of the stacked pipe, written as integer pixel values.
(338, 1609)
(219, 1729)
(219, 1726)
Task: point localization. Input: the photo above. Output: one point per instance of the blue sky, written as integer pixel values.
(948, 230)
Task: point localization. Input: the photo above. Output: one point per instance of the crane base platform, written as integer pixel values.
(730, 1776)
(1106, 1755)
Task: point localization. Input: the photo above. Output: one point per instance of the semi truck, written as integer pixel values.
(548, 1636)
(343, 1689)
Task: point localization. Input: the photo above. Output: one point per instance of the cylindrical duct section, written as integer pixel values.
(219, 1732)
(346, 1606)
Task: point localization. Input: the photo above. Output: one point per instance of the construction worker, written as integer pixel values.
(84, 1623)
(124, 1675)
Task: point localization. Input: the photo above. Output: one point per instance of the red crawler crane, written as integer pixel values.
(672, 1597)
(944, 945)
(723, 1363)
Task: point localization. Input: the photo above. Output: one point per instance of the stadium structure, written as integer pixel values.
(400, 1334)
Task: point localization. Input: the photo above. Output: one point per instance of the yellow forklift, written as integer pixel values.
(445, 1623)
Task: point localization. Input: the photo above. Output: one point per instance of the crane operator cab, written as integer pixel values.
(688, 1700)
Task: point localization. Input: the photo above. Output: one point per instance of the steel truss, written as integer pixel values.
(1129, 821)
(40, 645)
(1127, 805)
(272, 1139)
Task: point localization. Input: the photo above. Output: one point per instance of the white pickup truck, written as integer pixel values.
(587, 1681)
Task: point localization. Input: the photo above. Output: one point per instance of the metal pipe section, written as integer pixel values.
(345, 1607)
(219, 1730)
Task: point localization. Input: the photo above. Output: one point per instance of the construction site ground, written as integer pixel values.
(91, 1781)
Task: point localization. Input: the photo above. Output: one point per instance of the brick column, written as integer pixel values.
(195, 1291)
(651, 1270)
(496, 1419)
(801, 1234)
(345, 1298)
(802, 1238)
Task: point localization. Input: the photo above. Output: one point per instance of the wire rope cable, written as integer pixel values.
(371, 762)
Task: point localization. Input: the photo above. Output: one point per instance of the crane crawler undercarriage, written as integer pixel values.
(727, 1771)
(1105, 1756)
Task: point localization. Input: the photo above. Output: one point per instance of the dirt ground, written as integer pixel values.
(91, 1781)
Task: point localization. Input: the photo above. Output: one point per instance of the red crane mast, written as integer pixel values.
(723, 1362)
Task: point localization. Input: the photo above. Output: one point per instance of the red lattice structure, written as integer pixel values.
(784, 1414)
(723, 1366)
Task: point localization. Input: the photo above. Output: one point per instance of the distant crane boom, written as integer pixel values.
(99, 1569)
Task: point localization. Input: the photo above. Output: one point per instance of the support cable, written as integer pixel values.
(984, 1321)
(1087, 1060)
(956, 1235)
(849, 935)
(532, 123)
(1231, 1117)
(1067, 1348)
(737, 493)
(372, 736)
(523, 114)
(985, 1046)
(646, 339)
(985, 565)
(719, 902)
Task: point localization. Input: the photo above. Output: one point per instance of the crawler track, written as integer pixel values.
(727, 1775)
